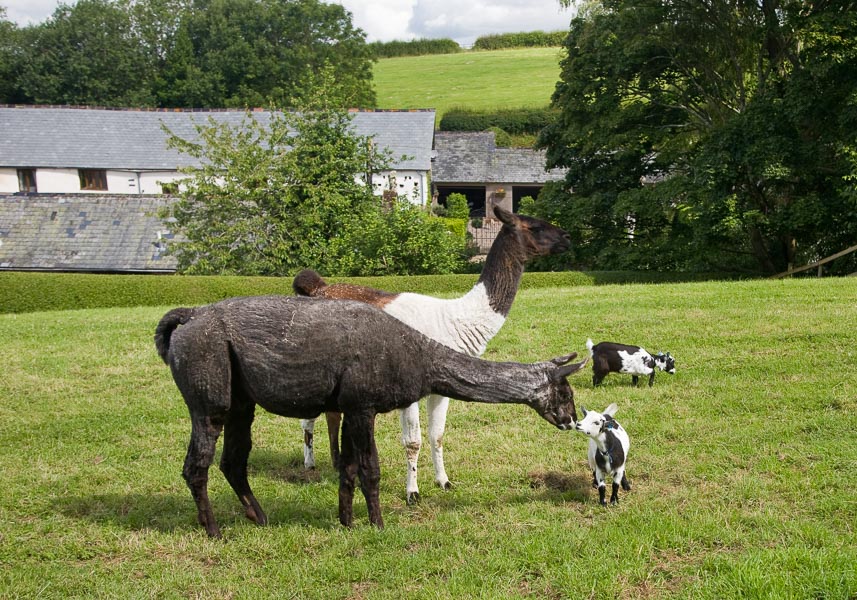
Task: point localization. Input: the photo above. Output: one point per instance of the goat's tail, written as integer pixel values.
(589, 346)
(308, 283)
(168, 324)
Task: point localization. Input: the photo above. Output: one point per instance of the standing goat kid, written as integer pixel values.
(465, 324)
(608, 357)
(298, 357)
(608, 451)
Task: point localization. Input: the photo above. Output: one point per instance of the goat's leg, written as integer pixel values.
(602, 487)
(652, 378)
(436, 407)
(626, 483)
(200, 454)
(237, 443)
(635, 379)
(347, 473)
(333, 420)
(614, 495)
(308, 426)
(412, 441)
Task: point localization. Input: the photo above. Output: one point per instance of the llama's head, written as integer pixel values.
(535, 237)
(555, 401)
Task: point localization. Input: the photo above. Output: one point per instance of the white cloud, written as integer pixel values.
(385, 20)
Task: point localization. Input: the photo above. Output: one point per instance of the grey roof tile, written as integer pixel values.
(101, 138)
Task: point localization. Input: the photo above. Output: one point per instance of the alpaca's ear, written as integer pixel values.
(561, 360)
(567, 370)
(504, 215)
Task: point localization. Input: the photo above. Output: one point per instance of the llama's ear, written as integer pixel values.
(504, 215)
(567, 370)
(611, 410)
(561, 360)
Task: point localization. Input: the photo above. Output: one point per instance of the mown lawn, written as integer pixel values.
(475, 79)
(743, 465)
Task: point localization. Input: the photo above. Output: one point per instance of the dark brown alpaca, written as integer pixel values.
(299, 357)
(465, 324)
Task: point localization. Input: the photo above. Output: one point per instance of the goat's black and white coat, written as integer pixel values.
(299, 357)
(608, 451)
(609, 357)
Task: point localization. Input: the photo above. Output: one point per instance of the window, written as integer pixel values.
(27, 181)
(93, 179)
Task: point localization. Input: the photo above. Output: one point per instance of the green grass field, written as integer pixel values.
(474, 79)
(743, 465)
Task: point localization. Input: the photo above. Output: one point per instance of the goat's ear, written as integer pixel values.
(567, 370)
(504, 215)
(561, 360)
(611, 410)
(583, 408)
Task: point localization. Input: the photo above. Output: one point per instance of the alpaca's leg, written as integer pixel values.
(308, 425)
(200, 454)
(368, 469)
(412, 441)
(347, 473)
(237, 443)
(436, 407)
(333, 420)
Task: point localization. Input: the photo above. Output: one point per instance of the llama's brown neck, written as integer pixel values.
(503, 269)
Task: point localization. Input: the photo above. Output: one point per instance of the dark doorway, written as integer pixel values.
(519, 191)
(475, 197)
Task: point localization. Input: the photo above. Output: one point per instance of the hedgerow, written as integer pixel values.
(22, 292)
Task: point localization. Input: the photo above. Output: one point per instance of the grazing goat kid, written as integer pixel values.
(299, 357)
(465, 324)
(608, 357)
(608, 451)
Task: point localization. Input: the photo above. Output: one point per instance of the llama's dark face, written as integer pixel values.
(536, 237)
(556, 402)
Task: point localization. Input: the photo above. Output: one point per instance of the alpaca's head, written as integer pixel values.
(534, 236)
(555, 400)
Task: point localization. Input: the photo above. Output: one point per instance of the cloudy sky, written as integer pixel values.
(385, 20)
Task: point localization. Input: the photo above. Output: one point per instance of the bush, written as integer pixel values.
(532, 39)
(419, 47)
(510, 120)
(456, 206)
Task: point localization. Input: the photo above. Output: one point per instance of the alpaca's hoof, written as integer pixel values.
(413, 498)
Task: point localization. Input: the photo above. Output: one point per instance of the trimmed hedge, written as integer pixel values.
(419, 47)
(510, 120)
(31, 292)
(531, 39)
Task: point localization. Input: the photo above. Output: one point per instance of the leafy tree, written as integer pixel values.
(284, 191)
(706, 135)
(10, 58)
(236, 53)
(86, 54)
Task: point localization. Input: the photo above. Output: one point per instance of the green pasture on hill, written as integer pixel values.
(475, 79)
(742, 464)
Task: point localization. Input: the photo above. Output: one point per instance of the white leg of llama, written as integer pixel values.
(436, 407)
(411, 440)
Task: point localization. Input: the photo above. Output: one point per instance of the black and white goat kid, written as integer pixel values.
(608, 451)
(608, 357)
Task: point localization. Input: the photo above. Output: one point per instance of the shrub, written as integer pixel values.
(532, 39)
(419, 47)
(510, 120)
(456, 206)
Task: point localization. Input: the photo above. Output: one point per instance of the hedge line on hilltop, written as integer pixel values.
(530, 39)
(511, 120)
(419, 47)
(33, 292)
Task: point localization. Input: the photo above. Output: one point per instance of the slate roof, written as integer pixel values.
(103, 138)
(82, 232)
(467, 157)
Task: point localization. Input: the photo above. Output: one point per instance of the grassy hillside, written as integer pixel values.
(479, 80)
(742, 464)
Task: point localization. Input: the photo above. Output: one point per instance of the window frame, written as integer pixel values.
(92, 180)
(27, 181)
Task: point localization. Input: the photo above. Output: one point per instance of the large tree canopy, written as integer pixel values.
(184, 53)
(718, 134)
